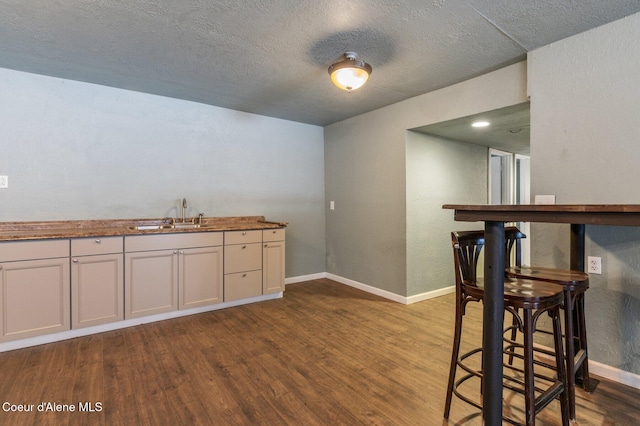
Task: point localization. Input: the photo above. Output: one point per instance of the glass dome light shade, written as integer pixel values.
(350, 74)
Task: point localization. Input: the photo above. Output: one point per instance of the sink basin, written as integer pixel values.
(168, 226)
(150, 227)
(185, 225)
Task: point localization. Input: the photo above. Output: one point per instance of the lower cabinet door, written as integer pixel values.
(242, 285)
(97, 294)
(150, 283)
(201, 276)
(34, 298)
(273, 267)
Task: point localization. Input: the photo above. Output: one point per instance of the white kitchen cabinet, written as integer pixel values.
(242, 285)
(201, 277)
(97, 293)
(34, 288)
(273, 260)
(167, 272)
(150, 282)
(242, 264)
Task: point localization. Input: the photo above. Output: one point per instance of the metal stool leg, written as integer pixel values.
(529, 395)
(571, 353)
(560, 366)
(455, 352)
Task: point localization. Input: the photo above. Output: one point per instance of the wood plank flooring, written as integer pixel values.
(325, 354)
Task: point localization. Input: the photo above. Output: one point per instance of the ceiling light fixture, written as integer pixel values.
(480, 124)
(350, 73)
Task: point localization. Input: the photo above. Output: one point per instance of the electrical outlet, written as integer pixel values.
(595, 265)
(4, 181)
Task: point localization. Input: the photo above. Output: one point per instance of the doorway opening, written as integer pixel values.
(509, 183)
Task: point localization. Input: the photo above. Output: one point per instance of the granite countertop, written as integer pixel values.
(16, 231)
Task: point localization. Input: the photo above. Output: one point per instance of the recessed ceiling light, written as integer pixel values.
(480, 124)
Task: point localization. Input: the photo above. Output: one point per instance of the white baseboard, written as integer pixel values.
(303, 278)
(614, 374)
(373, 290)
(369, 289)
(430, 294)
(392, 296)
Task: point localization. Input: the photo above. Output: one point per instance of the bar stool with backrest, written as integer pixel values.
(520, 295)
(574, 284)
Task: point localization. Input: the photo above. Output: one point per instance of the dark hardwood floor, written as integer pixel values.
(325, 354)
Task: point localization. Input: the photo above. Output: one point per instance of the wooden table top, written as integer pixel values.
(587, 214)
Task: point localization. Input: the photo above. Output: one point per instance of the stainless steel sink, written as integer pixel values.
(170, 226)
(149, 227)
(185, 225)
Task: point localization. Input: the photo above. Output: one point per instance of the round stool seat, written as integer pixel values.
(574, 280)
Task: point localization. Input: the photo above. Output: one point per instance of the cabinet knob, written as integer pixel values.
(181, 251)
(275, 232)
(0, 266)
(98, 241)
(75, 260)
(244, 233)
(266, 245)
(244, 247)
(244, 275)
(175, 252)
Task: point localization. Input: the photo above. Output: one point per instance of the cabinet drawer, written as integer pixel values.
(242, 285)
(91, 246)
(273, 235)
(172, 241)
(244, 257)
(26, 250)
(242, 237)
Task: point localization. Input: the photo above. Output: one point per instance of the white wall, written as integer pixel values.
(366, 175)
(74, 150)
(585, 148)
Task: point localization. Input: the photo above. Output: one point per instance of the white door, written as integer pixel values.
(509, 183)
(500, 177)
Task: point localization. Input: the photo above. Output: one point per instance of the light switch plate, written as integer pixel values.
(545, 199)
(4, 181)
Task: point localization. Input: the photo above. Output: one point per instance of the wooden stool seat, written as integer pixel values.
(573, 280)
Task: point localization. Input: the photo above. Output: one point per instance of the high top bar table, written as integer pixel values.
(494, 218)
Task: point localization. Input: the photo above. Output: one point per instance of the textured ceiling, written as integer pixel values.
(270, 57)
(509, 129)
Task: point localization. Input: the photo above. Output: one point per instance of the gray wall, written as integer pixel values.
(366, 176)
(585, 146)
(439, 171)
(80, 151)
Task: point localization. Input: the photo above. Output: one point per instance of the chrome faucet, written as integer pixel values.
(183, 208)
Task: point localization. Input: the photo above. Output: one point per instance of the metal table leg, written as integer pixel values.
(493, 319)
(577, 253)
